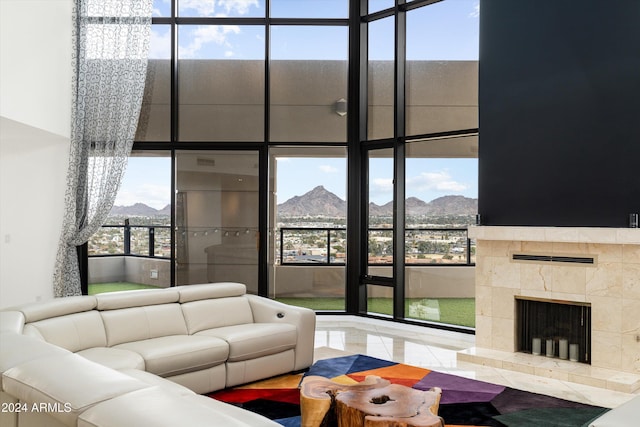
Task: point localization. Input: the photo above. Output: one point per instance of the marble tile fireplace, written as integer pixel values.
(597, 268)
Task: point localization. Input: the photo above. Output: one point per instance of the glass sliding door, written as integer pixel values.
(442, 185)
(307, 245)
(380, 213)
(217, 207)
(379, 276)
(132, 250)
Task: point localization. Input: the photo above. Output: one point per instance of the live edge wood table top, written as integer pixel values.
(375, 402)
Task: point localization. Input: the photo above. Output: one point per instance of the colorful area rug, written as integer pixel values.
(464, 402)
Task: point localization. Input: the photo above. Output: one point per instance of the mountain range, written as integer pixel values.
(321, 202)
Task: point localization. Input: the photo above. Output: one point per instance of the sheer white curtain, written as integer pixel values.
(111, 45)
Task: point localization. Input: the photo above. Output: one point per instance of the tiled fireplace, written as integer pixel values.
(595, 267)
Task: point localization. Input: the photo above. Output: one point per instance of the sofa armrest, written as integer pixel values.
(266, 310)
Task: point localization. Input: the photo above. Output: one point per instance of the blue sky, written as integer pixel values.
(443, 31)
(426, 179)
(447, 30)
(148, 180)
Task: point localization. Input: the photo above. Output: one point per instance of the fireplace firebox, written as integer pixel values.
(551, 328)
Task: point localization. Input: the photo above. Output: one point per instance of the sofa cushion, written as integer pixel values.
(73, 332)
(216, 313)
(115, 358)
(160, 408)
(154, 380)
(177, 354)
(255, 340)
(141, 323)
(67, 384)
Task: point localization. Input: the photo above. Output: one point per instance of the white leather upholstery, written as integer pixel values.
(205, 314)
(154, 380)
(247, 371)
(255, 340)
(158, 408)
(269, 311)
(135, 298)
(57, 307)
(142, 323)
(11, 321)
(74, 332)
(18, 349)
(95, 356)
(211, 290)
(116, 358)
(178, 354)
(625, 415)
(60, 381)
(203, 381)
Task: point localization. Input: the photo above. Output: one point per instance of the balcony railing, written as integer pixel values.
(136, 240)
(321, 246)
(424, 246)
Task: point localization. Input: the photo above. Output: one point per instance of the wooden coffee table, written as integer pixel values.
(375, 402)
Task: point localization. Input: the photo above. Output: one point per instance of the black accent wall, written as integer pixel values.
(559, 105)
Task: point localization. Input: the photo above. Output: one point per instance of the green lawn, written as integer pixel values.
(98, 288)
(453, 311)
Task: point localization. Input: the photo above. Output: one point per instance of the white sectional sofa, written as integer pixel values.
(145, 357)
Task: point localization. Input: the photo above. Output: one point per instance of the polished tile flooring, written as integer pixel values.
(436, 350)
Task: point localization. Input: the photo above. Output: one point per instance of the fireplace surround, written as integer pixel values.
(595, 267)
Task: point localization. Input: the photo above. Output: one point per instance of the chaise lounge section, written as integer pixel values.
(94, 360)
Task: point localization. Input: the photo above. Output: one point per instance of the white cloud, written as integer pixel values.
(209, 7)
(382, 185)
(328, 169)
(240, 6)
(201, 7)
(207, 34)
(437, 181)
(476, 11)
(160, 46)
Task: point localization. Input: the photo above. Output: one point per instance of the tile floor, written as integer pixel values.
(437, 350)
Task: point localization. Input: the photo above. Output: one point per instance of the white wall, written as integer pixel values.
(35, 63)
(35, 94)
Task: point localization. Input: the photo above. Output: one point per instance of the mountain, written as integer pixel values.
(452, 205)
(321, 202)
(166, 210)
(317, 202)
(139, 209)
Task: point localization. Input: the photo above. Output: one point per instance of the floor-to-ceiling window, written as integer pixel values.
(420, 145)
(361, 114)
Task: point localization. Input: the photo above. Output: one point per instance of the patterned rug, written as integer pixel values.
(464, 402)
